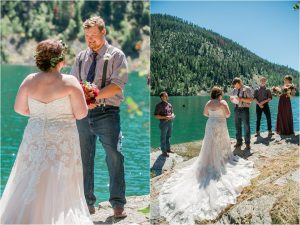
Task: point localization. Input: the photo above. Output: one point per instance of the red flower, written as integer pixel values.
(90, 92)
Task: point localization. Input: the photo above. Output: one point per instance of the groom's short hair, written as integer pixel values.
(263, 79)
(288, 77)
(236, 80)
(162, 94)
(94, 21)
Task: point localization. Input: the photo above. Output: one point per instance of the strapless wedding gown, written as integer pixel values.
(201, 191)
(46, 182)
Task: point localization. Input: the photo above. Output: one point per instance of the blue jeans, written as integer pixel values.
(104, 124)
(165, 134)
(241, 115)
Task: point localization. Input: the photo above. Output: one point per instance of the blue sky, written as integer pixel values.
(270, 29)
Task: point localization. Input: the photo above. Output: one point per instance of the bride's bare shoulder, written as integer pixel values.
(28, 79)
(71, 83)
(223, 102)
(208, 102)
(69, 79)
(31, 76)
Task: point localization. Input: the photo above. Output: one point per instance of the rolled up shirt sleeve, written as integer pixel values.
(120, 70)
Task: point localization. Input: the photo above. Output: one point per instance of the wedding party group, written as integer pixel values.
(241, 97)
(202, 190)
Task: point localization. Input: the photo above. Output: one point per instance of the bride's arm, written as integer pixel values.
(21, 102)
(78, 102)
(225, 108)
(205, 111)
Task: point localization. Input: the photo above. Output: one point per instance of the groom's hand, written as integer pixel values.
(169, 117)
(92, 106)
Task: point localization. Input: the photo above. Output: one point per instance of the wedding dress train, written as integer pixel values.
(201, 191)
(46, 182)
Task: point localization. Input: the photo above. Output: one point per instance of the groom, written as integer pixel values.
(241, 112)
(106, 66)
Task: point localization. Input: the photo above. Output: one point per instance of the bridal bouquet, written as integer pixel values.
(234, 99)
(289, 90)
(91, 91)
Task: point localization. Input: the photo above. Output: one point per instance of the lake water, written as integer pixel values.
(189, 124)
(135, 129)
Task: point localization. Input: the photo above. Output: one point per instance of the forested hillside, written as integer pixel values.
(25, 21)
(187, 59)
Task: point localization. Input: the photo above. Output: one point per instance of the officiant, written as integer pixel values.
(164, 112)
(244, 97)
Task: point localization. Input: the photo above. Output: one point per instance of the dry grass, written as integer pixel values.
(286, 209)
(271, 170)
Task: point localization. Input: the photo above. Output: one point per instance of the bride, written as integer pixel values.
(202, 190)
(46, 182)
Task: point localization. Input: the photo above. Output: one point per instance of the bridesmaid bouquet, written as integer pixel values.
(288, 90)
(91, 91)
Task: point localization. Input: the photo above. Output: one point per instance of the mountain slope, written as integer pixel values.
(24, 23)
(187, 59)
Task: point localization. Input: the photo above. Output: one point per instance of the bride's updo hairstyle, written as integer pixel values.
(216, 92)
(49, 53)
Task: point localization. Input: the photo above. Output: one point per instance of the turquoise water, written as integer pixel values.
(189, 124)
(135, 130)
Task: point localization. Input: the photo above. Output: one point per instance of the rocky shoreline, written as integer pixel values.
(272, 196)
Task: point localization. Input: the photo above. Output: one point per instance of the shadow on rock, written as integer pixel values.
(264, 140)
(293, 139)
(158, 165)
(109, 220)
(242, 153)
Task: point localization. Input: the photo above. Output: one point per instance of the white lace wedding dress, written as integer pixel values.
(46, 182)
(201, 191)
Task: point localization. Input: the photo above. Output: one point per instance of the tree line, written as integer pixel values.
(39, 20)
(187, 59)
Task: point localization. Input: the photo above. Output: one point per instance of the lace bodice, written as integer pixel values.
(50, 139)
(57, 109)
(219, 113)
